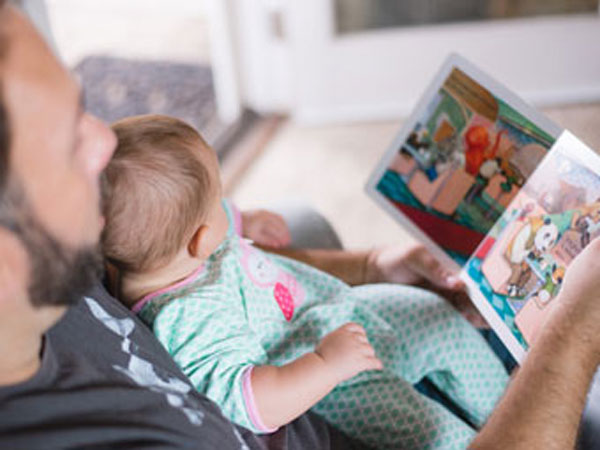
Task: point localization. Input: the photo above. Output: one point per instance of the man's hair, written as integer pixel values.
(156, 190)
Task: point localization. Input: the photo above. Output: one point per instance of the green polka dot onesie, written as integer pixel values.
(245, 308)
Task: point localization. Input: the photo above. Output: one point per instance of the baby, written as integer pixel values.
(267, 337)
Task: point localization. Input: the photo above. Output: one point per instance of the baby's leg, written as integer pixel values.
(386, 412)
(426, 337)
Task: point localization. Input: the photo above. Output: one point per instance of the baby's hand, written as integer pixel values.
(265, 228)
(348, 352)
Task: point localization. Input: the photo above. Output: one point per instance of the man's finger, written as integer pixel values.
(431, 270)
(443, 277)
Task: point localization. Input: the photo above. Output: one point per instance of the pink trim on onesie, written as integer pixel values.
(251, 404)
(137, 307)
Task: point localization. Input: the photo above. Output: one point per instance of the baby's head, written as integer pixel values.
(162, 195)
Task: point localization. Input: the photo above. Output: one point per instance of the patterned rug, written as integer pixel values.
(115, 88)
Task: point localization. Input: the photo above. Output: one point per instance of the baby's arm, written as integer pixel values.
(284, 393)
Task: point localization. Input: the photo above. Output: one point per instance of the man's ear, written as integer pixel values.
(196, 245)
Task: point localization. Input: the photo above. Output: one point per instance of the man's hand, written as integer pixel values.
(417, 266)
(265, 228)
(347, 352)
(543, 404)
(576, 310)
(414, 265)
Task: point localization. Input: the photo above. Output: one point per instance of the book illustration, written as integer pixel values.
(521, 263)
(496, 192)
(463, 161)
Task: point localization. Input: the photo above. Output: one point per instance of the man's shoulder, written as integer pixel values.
(107, 331)
(105, 381)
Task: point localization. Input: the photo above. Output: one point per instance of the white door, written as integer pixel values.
(375, 73)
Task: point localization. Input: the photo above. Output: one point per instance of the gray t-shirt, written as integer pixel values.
(105, 382)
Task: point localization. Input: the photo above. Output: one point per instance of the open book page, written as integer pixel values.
(517, 270)
(460, 159)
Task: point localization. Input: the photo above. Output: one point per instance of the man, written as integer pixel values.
(97, 378)
(86, 374)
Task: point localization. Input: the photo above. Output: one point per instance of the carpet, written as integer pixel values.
(115, 88)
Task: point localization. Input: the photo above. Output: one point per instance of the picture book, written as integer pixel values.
(495, 190)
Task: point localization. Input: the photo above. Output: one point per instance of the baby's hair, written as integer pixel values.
(156, 191)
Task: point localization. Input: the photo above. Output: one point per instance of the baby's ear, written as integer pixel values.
(198, 242)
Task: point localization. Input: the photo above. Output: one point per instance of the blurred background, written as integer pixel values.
(301, 98)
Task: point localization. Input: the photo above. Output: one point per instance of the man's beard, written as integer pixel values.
(58, 274)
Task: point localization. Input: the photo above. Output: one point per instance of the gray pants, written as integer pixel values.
(308, 228)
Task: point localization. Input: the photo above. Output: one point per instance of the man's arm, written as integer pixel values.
(409, 264)
(543, 405)
(544, 402)
(348, 266)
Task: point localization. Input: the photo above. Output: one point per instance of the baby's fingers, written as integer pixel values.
(366, 349)
(355, 328)
(366, 353)
(371, 363)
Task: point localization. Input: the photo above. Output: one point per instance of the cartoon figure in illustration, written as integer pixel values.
(418, 140)
(551, 286)
(536, 237)
(588, 224)
(477, 149)
(487, 170)
(481, 160)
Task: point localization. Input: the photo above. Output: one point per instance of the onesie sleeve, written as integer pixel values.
(210, 339)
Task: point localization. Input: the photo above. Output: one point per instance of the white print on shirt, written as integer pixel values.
(142, 372)
(237, 434)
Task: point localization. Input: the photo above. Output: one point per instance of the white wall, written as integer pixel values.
(319, 77)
